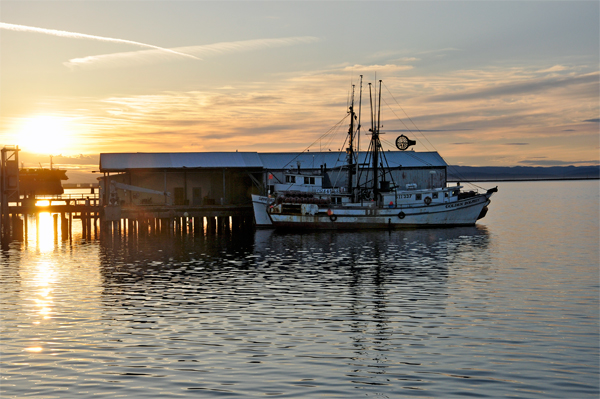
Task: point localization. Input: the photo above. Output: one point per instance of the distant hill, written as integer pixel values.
(491, 173)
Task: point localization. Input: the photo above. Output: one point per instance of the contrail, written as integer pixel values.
(73, 35)
(145, 57)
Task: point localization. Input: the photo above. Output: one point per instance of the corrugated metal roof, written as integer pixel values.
(122, 161)
(112, 162)
(307, 160)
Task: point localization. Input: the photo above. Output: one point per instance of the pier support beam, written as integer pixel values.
(55, 217)
(211, 225)
(64, 227)
(17, 227)
(198, 226)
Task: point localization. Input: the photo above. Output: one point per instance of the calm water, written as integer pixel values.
(508, 308)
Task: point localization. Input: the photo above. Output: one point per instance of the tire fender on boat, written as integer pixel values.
(427, 200)
(332, 217)
(402, 215)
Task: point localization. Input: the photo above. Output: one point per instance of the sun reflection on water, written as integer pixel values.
(59, 280)
(34, 349)
(44, 232)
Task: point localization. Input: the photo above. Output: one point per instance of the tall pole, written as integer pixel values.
(372, 130)
(358, 132)
(375, 143)
(350, 150)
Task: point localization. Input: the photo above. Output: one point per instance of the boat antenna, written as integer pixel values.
(371, 104)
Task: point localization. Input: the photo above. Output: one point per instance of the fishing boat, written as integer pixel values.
(372, 199)
(297, 186)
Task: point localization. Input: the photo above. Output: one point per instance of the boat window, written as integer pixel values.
(290, 179)
(454, 193)
(418, 197)
(309, 180)
(446, 195)
(434, 195)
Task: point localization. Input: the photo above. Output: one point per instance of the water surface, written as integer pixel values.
(507, 308)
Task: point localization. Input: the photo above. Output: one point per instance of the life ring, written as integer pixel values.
(427, 200)
(333, 218)
(402, 215)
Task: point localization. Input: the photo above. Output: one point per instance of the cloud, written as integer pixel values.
(555, 68)
(595, 120)
(74, 35)
(512, 89)
(425, 130)
(146, 57)
(388, 68)
(554, 162)
(516, 143)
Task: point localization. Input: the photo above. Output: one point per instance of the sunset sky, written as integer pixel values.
(488, 83)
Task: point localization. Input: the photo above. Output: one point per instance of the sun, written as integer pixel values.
(48, 135)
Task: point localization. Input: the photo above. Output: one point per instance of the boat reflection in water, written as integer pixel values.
(311, 311)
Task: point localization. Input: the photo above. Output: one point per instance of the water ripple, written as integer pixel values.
(427, 313)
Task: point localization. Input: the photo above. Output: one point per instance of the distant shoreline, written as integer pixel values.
(509, 179)
(457, 173)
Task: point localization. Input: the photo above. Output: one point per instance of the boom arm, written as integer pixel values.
(114, 186)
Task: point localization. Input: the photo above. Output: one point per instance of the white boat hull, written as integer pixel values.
(259, 204)
(460, 213)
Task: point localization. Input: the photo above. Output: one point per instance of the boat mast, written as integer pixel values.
(358, 133)
(350, 149)
(375, 145)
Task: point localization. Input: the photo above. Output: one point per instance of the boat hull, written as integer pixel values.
(460, 213)
(259, 205)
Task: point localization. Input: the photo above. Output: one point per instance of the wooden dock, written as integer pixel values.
(100, 221)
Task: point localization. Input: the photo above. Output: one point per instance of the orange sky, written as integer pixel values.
(491, 84)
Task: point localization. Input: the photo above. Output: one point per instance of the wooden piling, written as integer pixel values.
(55, 217)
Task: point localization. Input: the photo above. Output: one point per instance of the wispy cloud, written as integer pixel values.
(145, 57)
(74, 35)
(511, 89)
(556, 162)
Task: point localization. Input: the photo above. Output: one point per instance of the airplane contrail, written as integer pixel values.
(74, 35)
(144, 57)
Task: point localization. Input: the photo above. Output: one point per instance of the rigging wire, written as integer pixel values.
(408, 117)
(331, 130)
(455, 171)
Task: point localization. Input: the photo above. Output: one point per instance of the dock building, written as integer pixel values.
(228, 178)
(201, 191)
